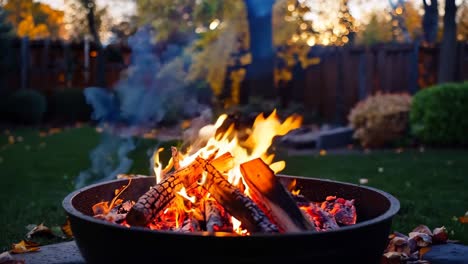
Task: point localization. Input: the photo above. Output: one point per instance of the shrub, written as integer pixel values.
(380, 119)
(439, 114)
(69, 105)
(26, 107)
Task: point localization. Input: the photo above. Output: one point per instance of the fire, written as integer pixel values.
(256, 145)
(226, 182)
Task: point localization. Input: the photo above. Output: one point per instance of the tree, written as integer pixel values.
(87, 19)
(448, 47)
(399, 29)
(84, 17)
(260, 72)
(376, 30)
(35, 20)
(430, 21)
(462, 28)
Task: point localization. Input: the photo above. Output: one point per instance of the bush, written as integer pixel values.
(439, 114)
(26, 107)
(380, 119)
(69, 105)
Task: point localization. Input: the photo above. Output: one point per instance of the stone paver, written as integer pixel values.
(61, 253)
(68, 253)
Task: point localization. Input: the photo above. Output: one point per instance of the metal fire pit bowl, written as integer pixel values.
(103, 242)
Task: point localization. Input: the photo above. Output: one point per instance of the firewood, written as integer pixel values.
(236, 203)
(267, 191)
(217, 220)
(190, 225)
(158, 197)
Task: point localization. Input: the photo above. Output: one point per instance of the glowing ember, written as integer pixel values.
(225, 182)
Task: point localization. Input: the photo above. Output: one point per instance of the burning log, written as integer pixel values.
(267, 191)
(158, 197)
(216, 219)
(190, 225)
(236, 203)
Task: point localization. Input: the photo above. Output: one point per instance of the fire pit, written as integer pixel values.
(364, 242)
(222, 199)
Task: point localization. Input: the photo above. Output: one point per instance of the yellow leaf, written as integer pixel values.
(463, 219)
(423, 251)
(24, 246)
(66, 229)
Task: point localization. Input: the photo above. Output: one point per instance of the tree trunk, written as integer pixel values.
(448, 47)
(259, 77)
(90, 5)
(430, 21)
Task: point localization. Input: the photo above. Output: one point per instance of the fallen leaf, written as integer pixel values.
(40, 231)
(423, 251)
(24, 246)
(440, 235)
(423, 229)
(363, 181)
(463, 219)
(66, 229)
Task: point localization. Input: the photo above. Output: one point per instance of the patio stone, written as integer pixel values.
(68, 253)
(60, 253)
(447, 254)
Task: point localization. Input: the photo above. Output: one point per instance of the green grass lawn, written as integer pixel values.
(38, 172)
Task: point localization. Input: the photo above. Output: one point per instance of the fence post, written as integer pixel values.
(24, 62)
(45, 63)
(362, 93)
(414, 70)
(86, 59)
(339, 111)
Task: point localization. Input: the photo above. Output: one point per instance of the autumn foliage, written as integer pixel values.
(35, 20)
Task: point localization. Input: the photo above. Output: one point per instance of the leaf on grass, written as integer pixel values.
(66, 229)
(24, 246)
(40, 231)
(463, 219)
(7, 258)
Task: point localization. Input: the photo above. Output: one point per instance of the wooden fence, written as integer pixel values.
(47, 65)
(346, 75)
(330, 89)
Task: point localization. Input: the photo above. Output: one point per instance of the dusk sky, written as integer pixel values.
(125, 7)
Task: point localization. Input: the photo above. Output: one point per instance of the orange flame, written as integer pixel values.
(259, 139)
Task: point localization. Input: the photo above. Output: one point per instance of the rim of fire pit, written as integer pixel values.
(392, 210)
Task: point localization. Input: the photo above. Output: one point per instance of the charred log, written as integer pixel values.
(217, 220)
(273, 198)
(236, 203)
(158, 197)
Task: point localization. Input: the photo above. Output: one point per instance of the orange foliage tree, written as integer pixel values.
(35, 20)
